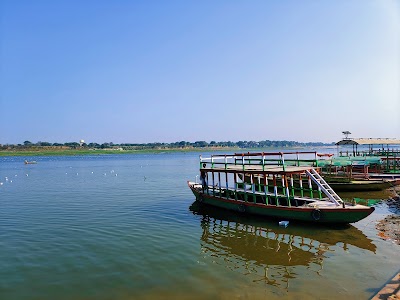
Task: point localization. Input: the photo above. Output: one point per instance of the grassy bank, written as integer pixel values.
(86, 151)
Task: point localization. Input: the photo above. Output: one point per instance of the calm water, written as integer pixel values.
(127, 227)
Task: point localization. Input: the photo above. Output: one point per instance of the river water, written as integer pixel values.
(127, 227)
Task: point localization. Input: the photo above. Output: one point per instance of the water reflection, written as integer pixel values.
(254, 245)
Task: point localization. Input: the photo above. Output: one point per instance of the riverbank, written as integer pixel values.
(71, 152)
(90, 151)
(389, 227)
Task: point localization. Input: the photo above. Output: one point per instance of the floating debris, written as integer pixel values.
(284, 223)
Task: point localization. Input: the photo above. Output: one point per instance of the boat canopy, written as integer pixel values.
(369, 141)
(343, 161)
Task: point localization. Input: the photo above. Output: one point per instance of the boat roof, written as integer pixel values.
(369, 141)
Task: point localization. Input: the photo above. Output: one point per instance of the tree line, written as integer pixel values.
(181, 144)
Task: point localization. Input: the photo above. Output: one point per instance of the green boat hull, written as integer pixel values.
(360, 186)
(348, 214)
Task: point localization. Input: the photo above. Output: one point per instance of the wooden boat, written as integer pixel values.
(343, 184)
(30, 162)
(221, 186)
(362, 185)
(225, 222)
(360, 173)
(344, 179)
(388, 159)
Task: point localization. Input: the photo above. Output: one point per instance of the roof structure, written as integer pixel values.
(369, 141)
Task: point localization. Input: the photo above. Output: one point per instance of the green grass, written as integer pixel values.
(67, 152)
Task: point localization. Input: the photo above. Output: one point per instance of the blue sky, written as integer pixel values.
(166, 71)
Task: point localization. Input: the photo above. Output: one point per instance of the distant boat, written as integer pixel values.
(32, 162)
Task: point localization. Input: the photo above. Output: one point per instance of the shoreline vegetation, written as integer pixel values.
(73, 148)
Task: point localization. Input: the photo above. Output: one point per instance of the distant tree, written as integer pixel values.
(93, 145)
(242, 144)
(200, 144)
(72, 144)
(27, 143)
(182, 144)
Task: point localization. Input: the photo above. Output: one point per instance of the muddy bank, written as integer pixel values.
(389, 227)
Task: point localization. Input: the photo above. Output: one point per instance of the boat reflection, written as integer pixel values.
(259, 246)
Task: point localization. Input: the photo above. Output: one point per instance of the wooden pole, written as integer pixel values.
(266, 188)
(275, 190)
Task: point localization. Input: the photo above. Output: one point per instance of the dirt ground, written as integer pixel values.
(389, 228)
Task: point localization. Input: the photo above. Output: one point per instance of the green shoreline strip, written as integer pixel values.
(69, 152)
(103, 152)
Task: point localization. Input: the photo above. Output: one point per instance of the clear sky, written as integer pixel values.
(166, 71)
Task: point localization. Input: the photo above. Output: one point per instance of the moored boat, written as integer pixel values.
(313, 200)
(30, 162)
(362, 185)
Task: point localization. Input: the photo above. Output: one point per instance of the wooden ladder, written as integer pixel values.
(324, 186)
